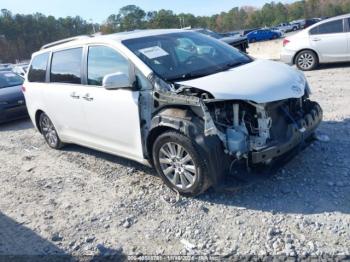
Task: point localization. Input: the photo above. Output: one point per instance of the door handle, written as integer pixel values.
(316, 39)
(87, 97)
(74, 95)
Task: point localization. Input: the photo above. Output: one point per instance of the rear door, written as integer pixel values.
(62, 99)
(330, 41)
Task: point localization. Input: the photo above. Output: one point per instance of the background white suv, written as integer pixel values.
(325, 42)
(190, 105)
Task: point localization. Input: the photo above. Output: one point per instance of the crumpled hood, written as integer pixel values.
(261, 81)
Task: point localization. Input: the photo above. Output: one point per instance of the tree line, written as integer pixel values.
(21, 35)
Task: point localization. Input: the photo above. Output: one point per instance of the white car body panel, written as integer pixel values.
(331, 47)
(260, 81)
(112, 121)
(69, 120)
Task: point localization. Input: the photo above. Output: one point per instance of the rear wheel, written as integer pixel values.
(49, 132)
(179, 164)
(306, 60)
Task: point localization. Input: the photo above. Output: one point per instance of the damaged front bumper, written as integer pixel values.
(299, 131)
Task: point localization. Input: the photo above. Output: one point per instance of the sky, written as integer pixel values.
(99, 10)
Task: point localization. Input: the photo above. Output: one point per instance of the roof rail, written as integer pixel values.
(63, 41)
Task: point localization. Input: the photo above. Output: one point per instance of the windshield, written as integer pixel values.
(8, 79)
(185, 55)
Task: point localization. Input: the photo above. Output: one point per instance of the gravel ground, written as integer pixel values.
(270, 49)
(81, 202)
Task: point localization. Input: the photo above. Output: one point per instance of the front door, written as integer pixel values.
(112, 115)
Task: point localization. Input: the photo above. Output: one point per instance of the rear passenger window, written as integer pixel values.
(102, 61)
(37, 70)
(348, 24)
(329, 28)
(66, 66)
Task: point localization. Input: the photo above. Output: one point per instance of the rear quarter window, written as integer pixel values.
(38, 67)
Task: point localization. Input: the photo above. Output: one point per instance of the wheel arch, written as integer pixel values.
(37, 119)
(188, 123)
(302, 50)
(168, 119)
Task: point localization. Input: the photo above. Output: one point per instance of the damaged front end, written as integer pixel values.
(236, 129)
(263, 132)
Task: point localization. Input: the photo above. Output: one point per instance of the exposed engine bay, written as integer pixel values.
(253, 127)
(248, 130)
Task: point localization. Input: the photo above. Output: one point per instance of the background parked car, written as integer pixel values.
(247, 31)
(325, 42)
(310, 22)
(263, 34)
(12, 103)
(237, 41)
(20, 69)
(286, 27)
(5, 67)
(282, 31)
(297, 25)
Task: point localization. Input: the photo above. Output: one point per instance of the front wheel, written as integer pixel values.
(49, 132)
(178, 162)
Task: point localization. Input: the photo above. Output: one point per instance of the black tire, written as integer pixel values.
(200, 179)
(306, 60)
(49, 132)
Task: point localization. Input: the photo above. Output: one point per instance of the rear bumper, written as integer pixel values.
(307, 124)
(287, 56)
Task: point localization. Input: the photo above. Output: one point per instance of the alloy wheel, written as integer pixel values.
(306, 61)
(49, 131)
(177, 165)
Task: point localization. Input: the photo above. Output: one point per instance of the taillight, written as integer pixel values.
(285, 42)
(23, 89)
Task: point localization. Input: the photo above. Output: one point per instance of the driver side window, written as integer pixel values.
(102, 61)
(184, 49)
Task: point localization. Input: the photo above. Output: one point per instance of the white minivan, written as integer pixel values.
(190, 105)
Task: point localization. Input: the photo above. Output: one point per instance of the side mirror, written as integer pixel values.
(116, 81)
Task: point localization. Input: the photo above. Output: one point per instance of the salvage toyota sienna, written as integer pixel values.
(190, 105)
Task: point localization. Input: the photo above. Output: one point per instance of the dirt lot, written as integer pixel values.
(81, 202)
(268, 49)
